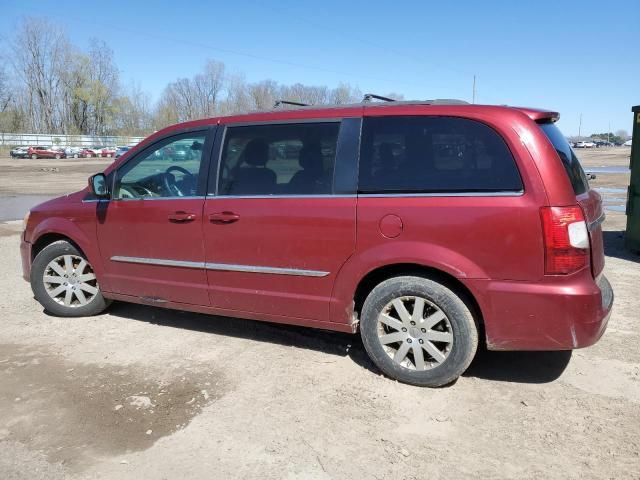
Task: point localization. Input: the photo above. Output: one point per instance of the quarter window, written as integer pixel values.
(434, 154)
(287, 159)
(168, 170)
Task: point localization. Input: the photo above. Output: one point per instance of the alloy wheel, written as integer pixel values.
(70, 281)
(415, 333)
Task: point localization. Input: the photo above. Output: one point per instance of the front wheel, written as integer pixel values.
(418, 331)
(64, 282)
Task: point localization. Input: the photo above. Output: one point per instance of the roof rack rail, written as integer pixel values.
(371, 96)
(289, 102)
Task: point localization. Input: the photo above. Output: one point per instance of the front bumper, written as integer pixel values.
(557, 314)
(25, 253)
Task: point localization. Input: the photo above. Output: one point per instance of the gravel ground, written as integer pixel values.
(141, 392)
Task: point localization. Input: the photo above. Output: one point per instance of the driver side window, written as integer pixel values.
(169, 170)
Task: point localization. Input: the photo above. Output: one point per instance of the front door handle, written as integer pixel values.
(181, 217)
(224, 217)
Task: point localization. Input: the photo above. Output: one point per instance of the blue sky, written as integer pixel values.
(577, 57)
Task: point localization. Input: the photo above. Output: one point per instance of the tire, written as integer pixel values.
(34, 157)
(57, 156)
(67, 302)
(454, 336)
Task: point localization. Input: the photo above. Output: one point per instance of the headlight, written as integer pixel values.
(25, 220)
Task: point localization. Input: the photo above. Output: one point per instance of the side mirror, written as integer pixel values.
(98, 185)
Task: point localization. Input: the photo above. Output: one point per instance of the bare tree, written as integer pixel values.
(133, 112)
(104, 86)
(238, 97)
(305, 94)
(263, 94)
(76, 78)
(207, 88)
(38, 51)
(6, 95)
(345, 93)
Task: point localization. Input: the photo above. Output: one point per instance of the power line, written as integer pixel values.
(386, 48)
(191, 43)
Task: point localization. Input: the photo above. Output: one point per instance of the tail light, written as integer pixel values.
(566, 239)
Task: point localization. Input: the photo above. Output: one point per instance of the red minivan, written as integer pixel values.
(427, 226)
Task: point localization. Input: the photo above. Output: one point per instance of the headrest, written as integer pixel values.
(310, 156)
(256, 153)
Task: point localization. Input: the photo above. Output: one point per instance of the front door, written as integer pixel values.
(276, 233)
(150, 232)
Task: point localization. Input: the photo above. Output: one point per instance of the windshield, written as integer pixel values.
(569, 160)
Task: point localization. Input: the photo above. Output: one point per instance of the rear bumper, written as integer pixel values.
(558, 314)
(25, 253)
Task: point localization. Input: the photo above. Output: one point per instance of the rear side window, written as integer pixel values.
(434, 155)
(288, 159)
(570, 162)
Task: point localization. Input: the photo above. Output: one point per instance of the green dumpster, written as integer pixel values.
(632, 237)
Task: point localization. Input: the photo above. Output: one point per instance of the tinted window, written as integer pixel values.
(570, 162)
(170, 169)
(292, 159)
(434, 154)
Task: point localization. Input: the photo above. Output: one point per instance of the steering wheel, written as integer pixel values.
(170, 180)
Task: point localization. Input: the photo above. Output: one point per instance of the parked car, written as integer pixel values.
(20, 152)
(73, 152)
(627, 143)
(45, 152)
(121, 151)
(108, 152)
(428, 227)
(585, 144)
(91, 152)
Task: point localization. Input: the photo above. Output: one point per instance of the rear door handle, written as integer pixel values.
(181, 217)
(224, 217)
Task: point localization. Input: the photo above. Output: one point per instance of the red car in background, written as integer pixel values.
(91, 152)
(45, 152)
(108, 152)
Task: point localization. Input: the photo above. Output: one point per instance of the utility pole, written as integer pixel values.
(609, 134)
(474, 90)
(580, 128)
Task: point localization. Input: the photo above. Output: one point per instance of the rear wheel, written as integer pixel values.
(418, 331)
(64, 282)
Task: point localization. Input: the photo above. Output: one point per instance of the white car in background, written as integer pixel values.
(585, 144)
(73, 152)
(627, 143)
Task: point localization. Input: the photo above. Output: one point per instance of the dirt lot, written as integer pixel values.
(141, 392)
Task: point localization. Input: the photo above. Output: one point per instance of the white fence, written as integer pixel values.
(38, 139)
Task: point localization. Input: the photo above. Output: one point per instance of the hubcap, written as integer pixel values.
(415, 333)
(70, 281)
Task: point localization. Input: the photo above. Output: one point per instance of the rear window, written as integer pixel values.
(570, 162)
(434, 155)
